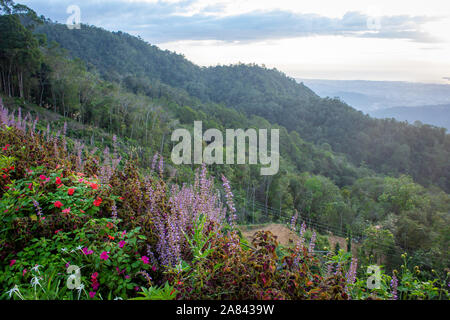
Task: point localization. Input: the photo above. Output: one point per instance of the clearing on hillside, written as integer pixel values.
(285, 235)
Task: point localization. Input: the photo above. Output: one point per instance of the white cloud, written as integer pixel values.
(333, 43)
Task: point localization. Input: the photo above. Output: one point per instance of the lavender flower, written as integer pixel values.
(294, 221)
(229, 197)
(351, 273)
(37, 207)
(312, 242)
(155, 157)
(299, 246)
(114, 211)
(186, 205)
(394, 284)
(161, 166)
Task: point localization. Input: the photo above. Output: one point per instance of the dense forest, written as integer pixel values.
(386, 146)
(383, 182)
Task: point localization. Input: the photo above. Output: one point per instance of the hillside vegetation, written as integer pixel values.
(386, 146)
(94, 108)
(123, 235)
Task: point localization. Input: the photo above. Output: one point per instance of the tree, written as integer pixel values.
(19, 55)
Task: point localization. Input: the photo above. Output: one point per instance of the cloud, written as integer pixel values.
(160, 22)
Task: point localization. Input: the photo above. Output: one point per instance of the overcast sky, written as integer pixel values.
(321, 39)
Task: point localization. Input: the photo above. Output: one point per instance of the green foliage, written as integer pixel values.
(199, 243)
(157, 293)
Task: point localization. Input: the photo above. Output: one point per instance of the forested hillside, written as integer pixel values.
(386, 146)
(382, 181)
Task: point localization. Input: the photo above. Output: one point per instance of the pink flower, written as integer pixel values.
(121, 244)
(12, 262)
(95, 284)
(92, 294)
(104, 255)
(145, 259)
(42, 177)
(86, 251)
(24, 272)
(66, 210)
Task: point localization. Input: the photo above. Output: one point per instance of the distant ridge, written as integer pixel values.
(373, 95)
(438, 115)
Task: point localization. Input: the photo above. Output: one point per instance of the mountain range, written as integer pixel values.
(390, 99)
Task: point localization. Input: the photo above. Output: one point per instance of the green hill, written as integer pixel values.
(386, 146)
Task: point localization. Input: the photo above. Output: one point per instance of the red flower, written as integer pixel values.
(58, 180)
(70, 191)
(94, 186)
(98, 202)
(6, 147)
(58, 204)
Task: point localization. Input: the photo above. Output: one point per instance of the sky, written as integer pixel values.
(318, 39)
